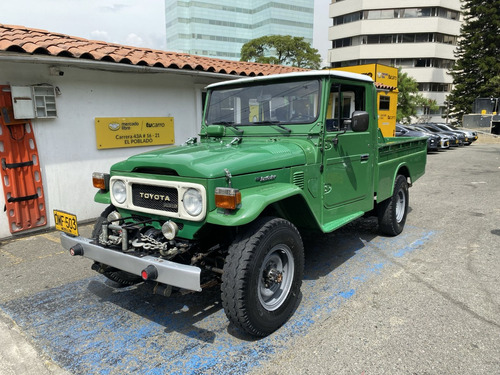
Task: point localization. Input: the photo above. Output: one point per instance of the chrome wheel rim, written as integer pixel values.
(400, 205)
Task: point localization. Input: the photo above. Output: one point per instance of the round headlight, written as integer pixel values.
(119, 191)
(193, 203)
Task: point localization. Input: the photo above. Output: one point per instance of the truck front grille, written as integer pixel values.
(155, 197)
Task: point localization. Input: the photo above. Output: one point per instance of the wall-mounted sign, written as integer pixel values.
(116, 132)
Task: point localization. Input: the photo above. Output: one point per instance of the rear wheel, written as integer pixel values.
(262, 276)
(121, 277)
(393, 211)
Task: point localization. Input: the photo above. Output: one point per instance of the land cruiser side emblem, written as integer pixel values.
(266, 178)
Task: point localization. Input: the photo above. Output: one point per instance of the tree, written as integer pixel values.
(476, 72)
(409, 98)
(283, 50)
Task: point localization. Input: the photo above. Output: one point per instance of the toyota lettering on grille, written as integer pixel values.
(156, 197)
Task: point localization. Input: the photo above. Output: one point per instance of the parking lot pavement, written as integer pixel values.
(30, 265)
(425, 302)
(432, 311)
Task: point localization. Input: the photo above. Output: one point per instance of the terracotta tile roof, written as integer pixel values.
(22, 39)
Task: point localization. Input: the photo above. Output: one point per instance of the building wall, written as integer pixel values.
(426, 61)
(220, 28)
(67, 144)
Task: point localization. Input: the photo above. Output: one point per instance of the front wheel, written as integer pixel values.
(262, 276)
(393, 211)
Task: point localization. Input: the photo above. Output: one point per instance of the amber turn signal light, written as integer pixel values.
(227, 198)
(100, 180)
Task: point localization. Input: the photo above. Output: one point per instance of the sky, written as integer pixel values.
(139, 23)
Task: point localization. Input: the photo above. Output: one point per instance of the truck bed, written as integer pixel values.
(405, 154)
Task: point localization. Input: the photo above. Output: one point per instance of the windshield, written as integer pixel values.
(264, 103)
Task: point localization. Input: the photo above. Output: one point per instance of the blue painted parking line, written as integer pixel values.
(89, 327)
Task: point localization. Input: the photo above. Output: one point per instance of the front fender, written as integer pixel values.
(102, 197)
(253, 201)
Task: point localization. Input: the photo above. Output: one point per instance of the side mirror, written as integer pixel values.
(360, 121)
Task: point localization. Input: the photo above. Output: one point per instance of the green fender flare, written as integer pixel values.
(253, 201)
(101, 197)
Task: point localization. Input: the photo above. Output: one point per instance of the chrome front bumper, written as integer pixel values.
(170, 273)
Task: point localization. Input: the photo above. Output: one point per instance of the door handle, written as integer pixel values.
(365, 157)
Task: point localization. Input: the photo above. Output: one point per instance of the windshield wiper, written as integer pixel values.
(271, 122)
(230, 124)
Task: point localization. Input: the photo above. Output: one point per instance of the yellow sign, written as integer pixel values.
(387, 98)
(116, 132)
(384, 74)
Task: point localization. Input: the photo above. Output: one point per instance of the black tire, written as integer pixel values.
(393, 211)
(262, 276)
(121, 277)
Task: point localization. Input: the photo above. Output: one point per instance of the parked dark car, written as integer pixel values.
(452, 139)
(456, 139)
(433, 141)
(443, 142)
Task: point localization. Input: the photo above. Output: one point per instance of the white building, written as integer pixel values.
(62, 85)
(419, 36)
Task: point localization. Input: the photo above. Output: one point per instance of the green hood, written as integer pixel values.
(208, 160)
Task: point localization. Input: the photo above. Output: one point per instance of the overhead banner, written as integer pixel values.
(117, 132)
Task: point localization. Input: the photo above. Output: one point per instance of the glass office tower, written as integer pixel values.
(219, 28)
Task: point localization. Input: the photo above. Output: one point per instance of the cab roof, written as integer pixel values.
(311, 73)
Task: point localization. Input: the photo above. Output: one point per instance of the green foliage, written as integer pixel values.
(477, 70)
(409, 98)
(283, 50)
(492, 88)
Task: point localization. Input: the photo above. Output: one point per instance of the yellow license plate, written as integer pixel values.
(66, 222)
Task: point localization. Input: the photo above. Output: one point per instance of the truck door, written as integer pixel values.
(348, 159)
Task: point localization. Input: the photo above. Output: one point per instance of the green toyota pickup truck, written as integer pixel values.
(276, 156)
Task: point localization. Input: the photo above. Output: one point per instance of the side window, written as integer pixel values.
(343, 101)
(384, 103)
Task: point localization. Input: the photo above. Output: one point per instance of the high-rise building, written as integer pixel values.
(419, 36)
(219, 28)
